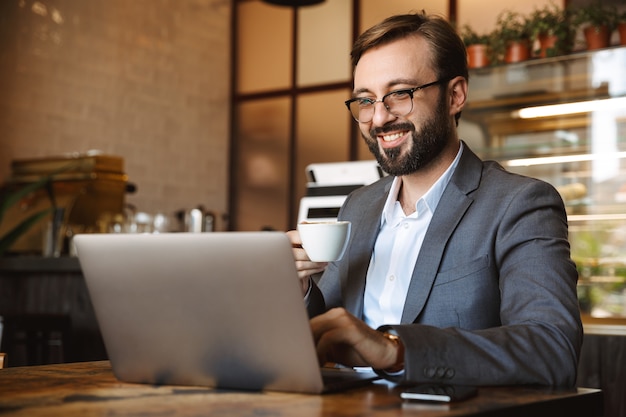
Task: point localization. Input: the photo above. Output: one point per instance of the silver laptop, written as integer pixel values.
(222, 310)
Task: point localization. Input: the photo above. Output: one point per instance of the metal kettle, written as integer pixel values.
(196, 220)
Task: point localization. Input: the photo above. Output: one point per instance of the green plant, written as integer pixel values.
(548, 20)
(552, 20)
(471, 37)
(595, 14)
(511, 27)
(10, 196)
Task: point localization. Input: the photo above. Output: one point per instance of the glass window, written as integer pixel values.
(262, 165)
(323, 132)
(324, 43)
(264, 50)
(373, 11)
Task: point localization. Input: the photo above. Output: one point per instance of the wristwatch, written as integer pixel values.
(399, 364)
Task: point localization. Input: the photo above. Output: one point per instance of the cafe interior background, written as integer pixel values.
(218, 109)
(212, 103)
(222, 105)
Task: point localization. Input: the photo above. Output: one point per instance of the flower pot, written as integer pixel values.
(517, 51)
(597, 37)
(477, 56)
(621, 29)
(547, 45)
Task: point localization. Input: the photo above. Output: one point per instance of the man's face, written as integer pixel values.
(403, 144)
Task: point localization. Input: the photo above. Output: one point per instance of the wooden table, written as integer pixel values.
(90, 389)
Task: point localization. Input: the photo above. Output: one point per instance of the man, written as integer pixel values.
(457, 271)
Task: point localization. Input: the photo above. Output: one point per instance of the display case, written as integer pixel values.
(563, 120)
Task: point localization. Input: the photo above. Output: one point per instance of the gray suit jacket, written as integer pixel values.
(492, 299)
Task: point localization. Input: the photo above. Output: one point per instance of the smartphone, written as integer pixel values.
(439, 393)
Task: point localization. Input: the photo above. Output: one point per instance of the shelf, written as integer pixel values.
(583, 155)
(39, 264)
(496, 93)
(515, 101)
(604, 326)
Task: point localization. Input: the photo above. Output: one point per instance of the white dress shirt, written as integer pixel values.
(395, 252)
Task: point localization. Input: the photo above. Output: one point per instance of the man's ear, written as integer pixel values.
(458, 94)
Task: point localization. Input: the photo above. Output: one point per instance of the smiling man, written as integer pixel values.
(457, 271)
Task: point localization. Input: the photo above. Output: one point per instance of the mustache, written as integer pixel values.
(390, 128)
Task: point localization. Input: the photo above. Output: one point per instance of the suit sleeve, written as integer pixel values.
(539, 337)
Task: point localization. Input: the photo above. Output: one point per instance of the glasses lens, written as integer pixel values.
(362, 111)
(399, 103)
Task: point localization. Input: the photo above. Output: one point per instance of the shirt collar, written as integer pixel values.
(430, 198)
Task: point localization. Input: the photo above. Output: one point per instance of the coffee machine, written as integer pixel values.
(328, 185)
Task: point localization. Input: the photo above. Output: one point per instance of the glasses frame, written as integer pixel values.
(409, 91)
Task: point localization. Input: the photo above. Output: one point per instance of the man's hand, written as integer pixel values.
(304, 265)
(342, 338)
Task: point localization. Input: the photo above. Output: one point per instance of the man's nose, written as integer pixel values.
(381, 116)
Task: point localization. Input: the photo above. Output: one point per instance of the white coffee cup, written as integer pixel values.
(324, 241)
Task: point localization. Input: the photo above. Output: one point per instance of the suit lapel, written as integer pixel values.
(450, 210)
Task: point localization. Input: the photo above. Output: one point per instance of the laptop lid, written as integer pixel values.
(213, 309)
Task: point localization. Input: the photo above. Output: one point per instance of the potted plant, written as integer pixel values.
(511, 38)
(478, 47)
(597, 21)
(551, 27)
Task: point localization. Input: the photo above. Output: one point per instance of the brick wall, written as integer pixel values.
(147, 80)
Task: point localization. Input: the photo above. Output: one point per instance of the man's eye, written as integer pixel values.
(365, 102)
(399, 95)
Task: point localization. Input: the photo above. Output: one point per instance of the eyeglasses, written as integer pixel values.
(398, 102)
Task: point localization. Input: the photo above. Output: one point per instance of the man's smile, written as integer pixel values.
(392, 137)
(393, 140)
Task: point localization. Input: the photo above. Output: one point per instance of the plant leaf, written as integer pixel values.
(9, 238)
(14, 197)
(11, 197)
(43, 182)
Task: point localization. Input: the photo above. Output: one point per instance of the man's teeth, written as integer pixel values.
(389, 138)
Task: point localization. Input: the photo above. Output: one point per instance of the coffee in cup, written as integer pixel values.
(324, 241)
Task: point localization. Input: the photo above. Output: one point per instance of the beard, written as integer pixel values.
(427, 144)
